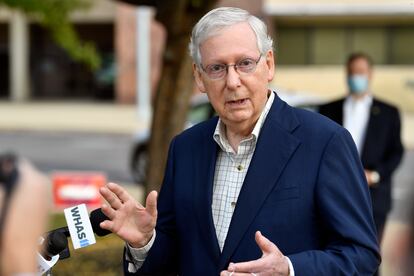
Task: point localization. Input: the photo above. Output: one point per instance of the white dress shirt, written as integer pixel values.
(355, 118)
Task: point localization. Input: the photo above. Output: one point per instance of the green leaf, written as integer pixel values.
(54, 16)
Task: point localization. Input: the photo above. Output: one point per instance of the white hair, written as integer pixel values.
(222, 17)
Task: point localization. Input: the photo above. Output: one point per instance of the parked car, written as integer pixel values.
(201, 110)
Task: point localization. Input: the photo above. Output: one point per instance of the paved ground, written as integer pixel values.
(75, 151)
(70, 116)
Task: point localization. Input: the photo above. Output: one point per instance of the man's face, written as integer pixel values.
(237, 98)
(359, 77)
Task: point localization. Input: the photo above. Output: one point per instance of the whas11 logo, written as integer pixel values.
(80, 229)
(79, 225)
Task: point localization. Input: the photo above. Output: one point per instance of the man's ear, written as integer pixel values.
(198, 78)
(270, 62)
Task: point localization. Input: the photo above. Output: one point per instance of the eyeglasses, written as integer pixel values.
(219, 71)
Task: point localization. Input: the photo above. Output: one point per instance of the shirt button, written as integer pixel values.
(233, 204)
(239, 167)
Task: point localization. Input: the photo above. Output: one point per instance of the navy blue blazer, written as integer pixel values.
(305, 190)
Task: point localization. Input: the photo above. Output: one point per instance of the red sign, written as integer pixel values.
(73, 188)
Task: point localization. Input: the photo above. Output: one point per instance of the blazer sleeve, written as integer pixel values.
(394, 152)
(162, 257)
(344, 208)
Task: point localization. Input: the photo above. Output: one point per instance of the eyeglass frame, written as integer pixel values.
(232, 65)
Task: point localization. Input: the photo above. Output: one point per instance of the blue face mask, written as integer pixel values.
(358, 84)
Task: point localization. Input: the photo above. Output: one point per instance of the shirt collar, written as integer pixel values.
(220, 132)
(365, 101)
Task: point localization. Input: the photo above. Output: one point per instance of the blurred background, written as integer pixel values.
(98, 87)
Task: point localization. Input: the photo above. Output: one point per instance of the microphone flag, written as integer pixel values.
(79, 225)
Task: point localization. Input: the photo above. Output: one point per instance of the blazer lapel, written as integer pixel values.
(339, 112)
(274, 148)
(371, 132)
(203, 192)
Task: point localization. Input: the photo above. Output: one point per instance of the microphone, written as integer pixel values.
(54, 243)
(83, 226)
(96, 217)
(52, 249)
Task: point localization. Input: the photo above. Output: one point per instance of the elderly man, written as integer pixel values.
(264, 189)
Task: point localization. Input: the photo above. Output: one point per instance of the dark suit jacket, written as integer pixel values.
(382, 149)
(305, 190)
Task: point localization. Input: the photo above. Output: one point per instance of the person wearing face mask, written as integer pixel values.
(375, 127)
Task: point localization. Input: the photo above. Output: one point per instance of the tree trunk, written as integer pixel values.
(176, 84)
(171, 106)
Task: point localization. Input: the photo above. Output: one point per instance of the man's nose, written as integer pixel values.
(232, 78)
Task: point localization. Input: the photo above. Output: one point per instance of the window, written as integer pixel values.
(328, 46)
(402, 42)
(291, 46)
(331, 45)
(372, 41)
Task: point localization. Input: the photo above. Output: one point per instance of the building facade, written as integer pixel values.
(312, 40)
(34, 67)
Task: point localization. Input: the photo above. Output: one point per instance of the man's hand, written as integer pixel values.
(371, 179)
(272, 262)
(128, 219)
(368, 177)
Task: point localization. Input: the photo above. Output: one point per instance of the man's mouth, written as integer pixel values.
(237, 102)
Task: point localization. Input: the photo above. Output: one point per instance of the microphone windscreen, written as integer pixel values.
(55, 243)
(96, 217)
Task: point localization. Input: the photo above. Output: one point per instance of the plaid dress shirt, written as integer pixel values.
(231, 169)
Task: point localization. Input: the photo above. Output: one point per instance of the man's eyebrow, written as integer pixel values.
(216, 61)
(240, 58)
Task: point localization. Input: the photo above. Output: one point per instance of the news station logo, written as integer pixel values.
(80, 229)
(79, 225)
